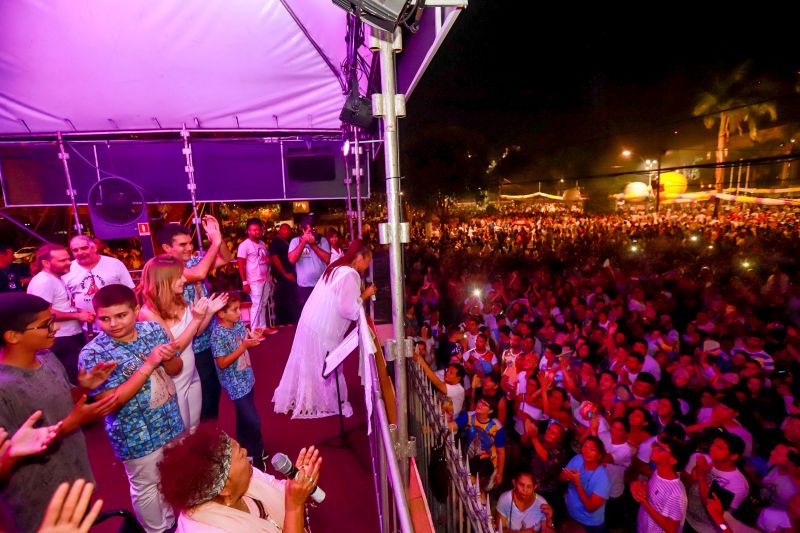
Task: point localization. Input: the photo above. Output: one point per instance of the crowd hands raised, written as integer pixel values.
(611, 373)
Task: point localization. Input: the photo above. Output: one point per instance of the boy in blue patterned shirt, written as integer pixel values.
(229, 343)
(148, 416)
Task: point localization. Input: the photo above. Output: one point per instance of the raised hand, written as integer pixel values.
(217, 302)
(83, 413)
(639, 491)
(66, 512)
(300, 488)
(29, 440)
(157, 354)
(211, 225)
(97, 375)
(250, 342)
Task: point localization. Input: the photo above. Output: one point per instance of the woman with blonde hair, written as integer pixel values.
(160, 295)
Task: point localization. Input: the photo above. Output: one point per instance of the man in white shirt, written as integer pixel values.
(449, 383)
(663, 499)
(253, 260)
(91, 271)
(54, 261)
(310, 254)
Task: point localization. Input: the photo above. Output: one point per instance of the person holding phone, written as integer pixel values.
(522, 510)
(715, 476)
(310, 253)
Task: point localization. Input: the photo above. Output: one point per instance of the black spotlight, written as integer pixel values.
(383, 14)
(357, 111)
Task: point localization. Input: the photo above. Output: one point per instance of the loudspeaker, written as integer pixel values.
(117, 207)
(357, 111)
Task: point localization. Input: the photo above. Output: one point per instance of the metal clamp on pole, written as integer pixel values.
(192, 185)
(71, 192)
(385, 233)
(390, 349)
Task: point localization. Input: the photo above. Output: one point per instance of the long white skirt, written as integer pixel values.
(302, 389)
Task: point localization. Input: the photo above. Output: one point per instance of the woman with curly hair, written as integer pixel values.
(205, 475)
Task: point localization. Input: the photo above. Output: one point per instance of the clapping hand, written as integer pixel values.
(256, 333)
(66, 512)
(211, 225)
(200, 307)
(97, 375)
(28, 440)
(83, 412)
(217, 302)
(572, 475)
(308, 236)
(250, 342)
(159, 353)
(639, 491)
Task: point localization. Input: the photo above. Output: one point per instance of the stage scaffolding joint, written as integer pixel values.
(385, 233)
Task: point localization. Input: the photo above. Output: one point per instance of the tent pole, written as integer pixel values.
(358, 172)
(348, 180)
(192, 185)
(72, 193)
(392, 234)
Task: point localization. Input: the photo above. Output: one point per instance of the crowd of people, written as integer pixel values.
(618, 373)
(602, 372)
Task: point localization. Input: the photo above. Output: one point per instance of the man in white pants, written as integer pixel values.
(253, 260)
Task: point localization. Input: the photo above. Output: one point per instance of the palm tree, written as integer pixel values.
(736, 103)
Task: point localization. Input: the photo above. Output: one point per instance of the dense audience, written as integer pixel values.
(641, 370)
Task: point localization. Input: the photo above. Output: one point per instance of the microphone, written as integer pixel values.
(284, 465)
(369, 282)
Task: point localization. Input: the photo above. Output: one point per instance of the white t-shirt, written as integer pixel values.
(623, 456)
(257, 260)
(668, 497)
(82, 284)
(456, 394)
(52, 289)
(733, 481)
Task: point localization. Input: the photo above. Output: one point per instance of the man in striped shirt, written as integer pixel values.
(663, 499)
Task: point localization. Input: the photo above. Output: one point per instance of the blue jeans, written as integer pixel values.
(248, 428)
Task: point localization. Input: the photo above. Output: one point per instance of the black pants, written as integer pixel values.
(302, 297)
(67, 350)
(285, 302)
(248, 428)
(204, 361)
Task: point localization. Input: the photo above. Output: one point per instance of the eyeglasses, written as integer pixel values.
(50, 325)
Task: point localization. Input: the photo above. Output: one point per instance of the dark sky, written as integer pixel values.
(567, 81)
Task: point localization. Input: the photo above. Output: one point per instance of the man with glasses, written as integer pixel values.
(663, 498)
(91, 271)
(54, 262)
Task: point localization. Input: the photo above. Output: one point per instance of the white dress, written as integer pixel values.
(329, 311)
(187, 382)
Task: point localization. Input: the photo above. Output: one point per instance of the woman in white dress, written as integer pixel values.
(161, 297)
(333, 305)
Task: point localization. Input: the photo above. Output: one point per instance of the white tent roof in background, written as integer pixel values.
(104, 65)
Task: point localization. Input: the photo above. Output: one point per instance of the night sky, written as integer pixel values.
(572, 85)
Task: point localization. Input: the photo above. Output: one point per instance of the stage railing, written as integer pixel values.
(462, 510)
(393, 511)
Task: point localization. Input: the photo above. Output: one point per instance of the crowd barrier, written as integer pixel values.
(458, 507)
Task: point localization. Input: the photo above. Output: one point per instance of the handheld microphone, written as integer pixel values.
(284, 465)
(369, 282)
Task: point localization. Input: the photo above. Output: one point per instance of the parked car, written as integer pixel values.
(25, 255)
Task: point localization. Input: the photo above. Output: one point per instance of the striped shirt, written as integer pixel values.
(668, 497)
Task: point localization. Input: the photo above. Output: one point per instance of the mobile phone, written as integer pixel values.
(725, 496)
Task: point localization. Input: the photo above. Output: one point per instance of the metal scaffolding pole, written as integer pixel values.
(389, 105)
(192, 185)
(72, 193)
(358, 172)
(348, 180)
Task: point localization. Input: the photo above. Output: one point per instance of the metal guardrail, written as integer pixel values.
(393, 512)
(462, 510)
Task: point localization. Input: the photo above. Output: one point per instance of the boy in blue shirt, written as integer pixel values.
(148, 416)
(229, 343)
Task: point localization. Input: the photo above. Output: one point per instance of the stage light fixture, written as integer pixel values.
(381, 14)
(357, 111)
